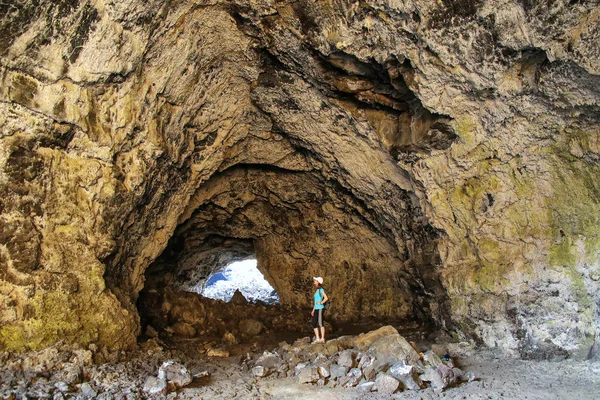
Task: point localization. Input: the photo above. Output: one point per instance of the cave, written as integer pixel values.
(437, 163)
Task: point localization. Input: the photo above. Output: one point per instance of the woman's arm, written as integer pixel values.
(325, 298)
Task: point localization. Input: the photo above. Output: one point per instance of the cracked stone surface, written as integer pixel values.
(436, 161)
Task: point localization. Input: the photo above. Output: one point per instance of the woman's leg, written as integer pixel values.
(315, 324)
(322, 324)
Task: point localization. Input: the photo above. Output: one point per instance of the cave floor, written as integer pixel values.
(229, 378)
(497, 377)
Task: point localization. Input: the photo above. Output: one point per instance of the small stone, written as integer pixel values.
(323, 371)
(366, 387)
(470, 376)
(175, 372)
(434, 377)
(299, 367)
(259, 371)
(308, 375)
(155, 386)
(365, 361)
(151, 332)
(229, 338)
(151, 346)
(201, 374)
(87, 390)
(57, 396)
(61, 386)
(447, 374)
(354, 375)
(432, 359)
(386, 384)
(218, 353)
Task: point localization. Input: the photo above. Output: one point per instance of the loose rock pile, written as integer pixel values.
(65, 374)
(381, 360)
(181, 314)
(172, 375)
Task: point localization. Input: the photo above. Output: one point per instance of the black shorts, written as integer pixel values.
(317, 319)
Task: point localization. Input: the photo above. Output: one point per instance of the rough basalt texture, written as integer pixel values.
(433, 160)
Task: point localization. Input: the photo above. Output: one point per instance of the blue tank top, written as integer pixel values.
(319, 298)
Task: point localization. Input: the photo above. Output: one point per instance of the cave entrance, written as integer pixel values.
(243, 276)
(188, 296)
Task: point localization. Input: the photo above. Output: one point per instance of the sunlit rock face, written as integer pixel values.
(432, 160)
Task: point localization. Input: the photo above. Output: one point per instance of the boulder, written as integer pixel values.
(238, 298)
(337, 371)
(364, 341)
(155, 386)
(175, 372)
(183, 329)
(434, 377)
(250, 327)
(392, 348)
(87, 391)
(299, 367)
(308, 375)
(270, 361)
(346, 359)
(386, 384)
(406, 374)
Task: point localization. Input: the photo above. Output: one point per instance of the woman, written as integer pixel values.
(320, 298)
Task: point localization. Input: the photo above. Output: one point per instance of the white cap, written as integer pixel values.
(318, 279)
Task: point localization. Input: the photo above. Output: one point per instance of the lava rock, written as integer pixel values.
(406, 374)
(250, 327)
(154, 386)
(337, 371)
(87, 391)
(366, 386)
(346, 359)
(175, 372)
(386, 384)
(238, 298)
(218, 353)
(308, 375)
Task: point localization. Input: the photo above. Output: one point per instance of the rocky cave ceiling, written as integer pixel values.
(435, 161)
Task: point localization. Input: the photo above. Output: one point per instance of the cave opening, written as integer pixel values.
(207, 288)
(239, 275)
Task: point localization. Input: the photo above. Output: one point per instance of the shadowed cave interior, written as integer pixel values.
(296, 228)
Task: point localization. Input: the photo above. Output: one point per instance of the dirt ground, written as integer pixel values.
(230, 378)
(496, 379)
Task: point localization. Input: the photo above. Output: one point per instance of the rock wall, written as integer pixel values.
(436, 161)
